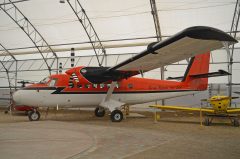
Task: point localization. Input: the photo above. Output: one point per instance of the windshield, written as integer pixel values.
(53, 82)
(45, 80)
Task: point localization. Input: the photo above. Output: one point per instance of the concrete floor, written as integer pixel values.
(81, 135)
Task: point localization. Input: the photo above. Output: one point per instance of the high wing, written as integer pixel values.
(165, 107)
(188, 43)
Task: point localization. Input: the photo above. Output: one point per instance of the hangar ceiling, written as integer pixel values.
(124, 27)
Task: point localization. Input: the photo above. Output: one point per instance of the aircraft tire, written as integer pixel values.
(207, 122)
(99, 112)
(116, 116)
(33, 115)
(235, 122)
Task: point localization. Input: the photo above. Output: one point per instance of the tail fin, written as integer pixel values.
(197, 65)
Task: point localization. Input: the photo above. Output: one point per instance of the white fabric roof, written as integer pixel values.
(116, 19)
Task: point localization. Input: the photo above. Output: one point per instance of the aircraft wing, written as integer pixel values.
(165, 107)
(188, 43)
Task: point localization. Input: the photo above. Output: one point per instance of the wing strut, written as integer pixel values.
(109, 103)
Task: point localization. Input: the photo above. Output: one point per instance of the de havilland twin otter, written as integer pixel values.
(110, 88)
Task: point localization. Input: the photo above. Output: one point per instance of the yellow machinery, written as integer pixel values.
(220, 107)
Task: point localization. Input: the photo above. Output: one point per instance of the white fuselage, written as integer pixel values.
(45, 98)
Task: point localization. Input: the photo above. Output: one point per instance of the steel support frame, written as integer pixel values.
(82, 17)
(12, 60)
(154, 12)
(28, 28)
(9, 83)
(233, 32)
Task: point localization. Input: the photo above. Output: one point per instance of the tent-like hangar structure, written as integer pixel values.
(37, 36)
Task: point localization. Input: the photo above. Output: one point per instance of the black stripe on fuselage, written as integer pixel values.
(40, 88)
(59, 90)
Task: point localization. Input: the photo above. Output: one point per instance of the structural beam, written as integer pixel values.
(154, 12)
(89, 29)
(28, 65)
(6, 53)
(7, 60)
(233, 33)
(37, 39)
(78, 48)
(156, 20)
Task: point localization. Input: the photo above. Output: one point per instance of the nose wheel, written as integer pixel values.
(116, 116)
(34, 115)
(99, 112)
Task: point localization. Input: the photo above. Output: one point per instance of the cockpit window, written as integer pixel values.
(45, 80)
(53, 82)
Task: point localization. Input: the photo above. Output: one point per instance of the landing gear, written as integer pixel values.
(232, 117)
(99, 112)
(34, 115)
(116, 116)
(207, 121)
(235, 122)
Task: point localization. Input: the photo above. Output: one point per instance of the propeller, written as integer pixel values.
(24, 82)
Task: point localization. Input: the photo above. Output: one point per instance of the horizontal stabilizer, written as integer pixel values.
(175, 78)
(205, 75)
(212, 74)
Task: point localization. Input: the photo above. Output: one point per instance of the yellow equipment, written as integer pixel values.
(220, 107)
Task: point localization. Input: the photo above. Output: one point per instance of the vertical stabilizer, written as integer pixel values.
(197, 65)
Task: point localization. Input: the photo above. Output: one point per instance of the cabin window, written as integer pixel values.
(79, 85)
(102, 85)
(70, 82)
(108, 85)
(53, 82)
(130, 85)
(45, 80)
(117, 85)
(87, 85)
(94, 85)
(71, 85)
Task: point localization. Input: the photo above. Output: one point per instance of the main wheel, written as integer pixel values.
(207, 122)
(235, 122)
(116, 116)
(33, 115)
(99, 112)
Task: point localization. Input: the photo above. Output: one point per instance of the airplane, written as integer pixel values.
(220, 107)
(111, 88)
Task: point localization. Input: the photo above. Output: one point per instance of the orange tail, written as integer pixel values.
(198, 65)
